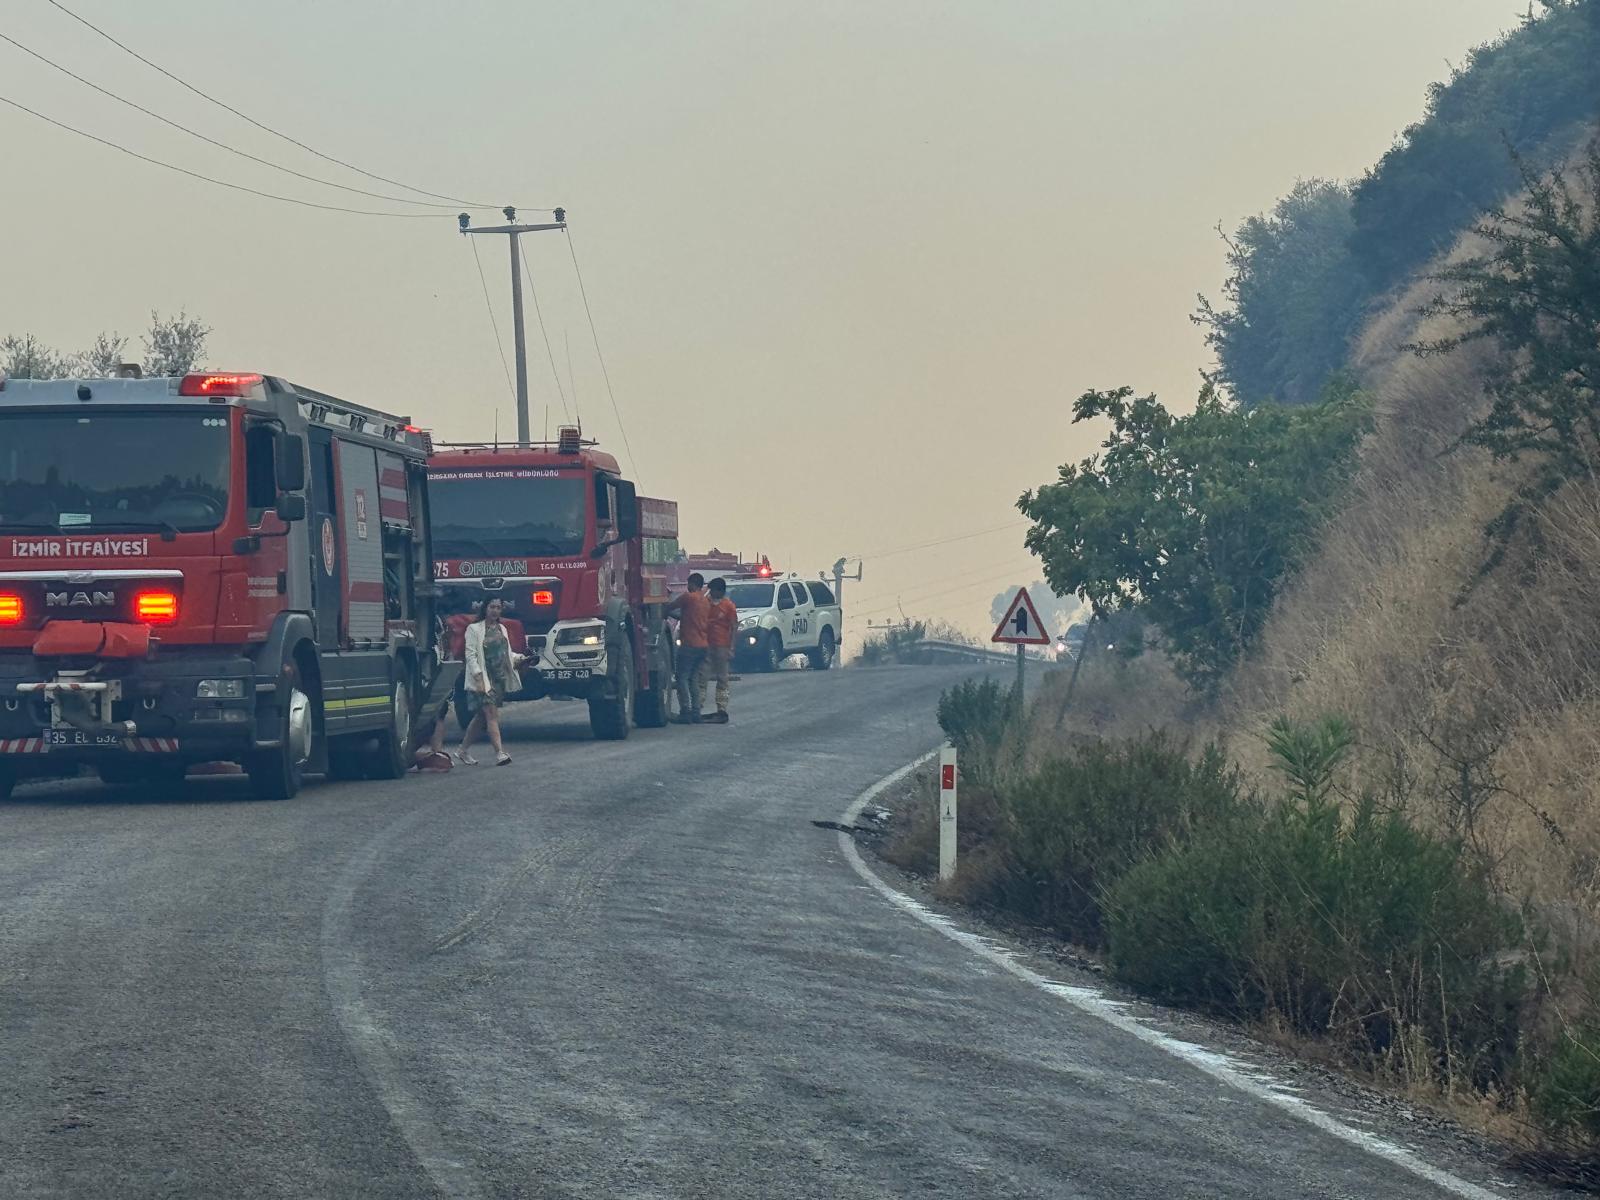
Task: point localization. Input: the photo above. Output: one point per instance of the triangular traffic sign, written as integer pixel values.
(1021, 625)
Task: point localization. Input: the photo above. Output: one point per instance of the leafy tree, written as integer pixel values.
(1536, 294)
(1194, 520)
(1527, 89)
(23, 356)
(1293, 296)
(174, 344)
(104, 356)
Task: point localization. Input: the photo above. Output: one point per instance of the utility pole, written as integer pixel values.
(514, 233)
(839, 577)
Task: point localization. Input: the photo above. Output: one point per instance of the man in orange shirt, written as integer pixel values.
(721, 625)
(693, 611)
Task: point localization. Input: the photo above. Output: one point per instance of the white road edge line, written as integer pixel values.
(1095, 1003)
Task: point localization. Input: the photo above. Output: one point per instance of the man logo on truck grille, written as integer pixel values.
(79, 599)
(330, 557)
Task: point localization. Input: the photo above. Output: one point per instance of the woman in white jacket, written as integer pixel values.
(491, 674)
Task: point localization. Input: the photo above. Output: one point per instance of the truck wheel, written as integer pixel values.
(612, 719)
(276, 774)
(8, 781)
(822, 657)
(653, 706)
(392, 756)
(772, 654)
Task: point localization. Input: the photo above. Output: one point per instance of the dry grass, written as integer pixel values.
(1476, 698)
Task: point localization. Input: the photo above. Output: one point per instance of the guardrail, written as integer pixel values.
(974, 653)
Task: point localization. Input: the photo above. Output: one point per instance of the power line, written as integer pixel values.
(605, 374)
(194, 133)
(236, 187)
(549, 353)
(960, 537)
(961, 583)
(493, 324)
(126, 49)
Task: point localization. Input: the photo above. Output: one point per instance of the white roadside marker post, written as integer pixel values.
(947, 813)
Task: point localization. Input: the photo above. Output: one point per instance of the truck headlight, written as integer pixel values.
(219, 689)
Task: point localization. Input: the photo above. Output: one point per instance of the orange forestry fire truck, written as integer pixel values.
(580, 562)
(218, 567)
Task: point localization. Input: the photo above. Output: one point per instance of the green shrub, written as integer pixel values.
(1362, 928)
(1077, 824)
(1566, 1085)
(974, 715)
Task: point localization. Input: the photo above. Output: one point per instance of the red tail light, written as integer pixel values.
(218, 385)
(544, 598)
(11, 610)
(156, 608)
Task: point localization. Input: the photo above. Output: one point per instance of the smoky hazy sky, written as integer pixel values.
(850, 262)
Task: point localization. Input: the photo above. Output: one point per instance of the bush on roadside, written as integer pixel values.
(1358, 927)
(1076, 825)
(1566, 1087)
(975, 715)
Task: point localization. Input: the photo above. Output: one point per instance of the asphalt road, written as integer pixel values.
(610, 970)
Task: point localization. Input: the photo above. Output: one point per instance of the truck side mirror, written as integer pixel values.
(291, 507)
(627, 511)
(289, 462)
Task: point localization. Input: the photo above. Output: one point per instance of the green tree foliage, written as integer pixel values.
(1528, 89)
(1535, 294)
(1293, 297)
(1195, 520)
(173, 346)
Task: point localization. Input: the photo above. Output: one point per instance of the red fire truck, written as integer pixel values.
(580, 562)
(219, 567)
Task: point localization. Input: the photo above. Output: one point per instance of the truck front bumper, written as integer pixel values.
(570, 660)
(145, 707)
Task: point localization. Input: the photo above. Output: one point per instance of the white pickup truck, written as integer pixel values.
(781, 615)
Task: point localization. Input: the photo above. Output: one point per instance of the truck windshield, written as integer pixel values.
(487, 514)
(113, 470)
(750, 595)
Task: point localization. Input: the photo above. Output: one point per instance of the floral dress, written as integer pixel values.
(502, 675)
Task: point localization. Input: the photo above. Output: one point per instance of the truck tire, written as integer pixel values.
(612, 719)
(8, 781)
(822, 657)
(391, 758)
(652, 706)
(276, 774)
(772, 654)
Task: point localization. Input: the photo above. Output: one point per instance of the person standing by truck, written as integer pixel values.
(721, 624)
(491, 675)
(693, 610)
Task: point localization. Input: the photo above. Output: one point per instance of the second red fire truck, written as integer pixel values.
(580, 561)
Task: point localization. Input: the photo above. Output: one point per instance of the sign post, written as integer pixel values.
(947, 813)
(1021, 627)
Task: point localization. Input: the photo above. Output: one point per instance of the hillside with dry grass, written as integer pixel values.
(1453, 677)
